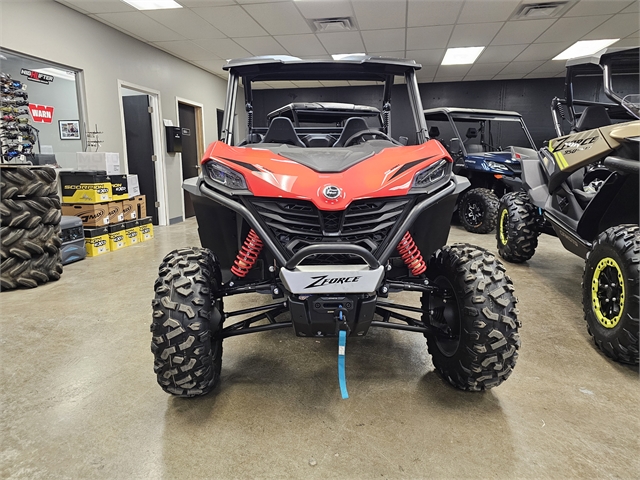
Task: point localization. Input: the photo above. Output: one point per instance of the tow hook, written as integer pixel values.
(343, 329)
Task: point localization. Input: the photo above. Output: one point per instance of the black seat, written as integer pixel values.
(434, 132)
(281, 131)
(474, 148)
(351, 127)
(594, 116)
(576, 181)
(472, 132)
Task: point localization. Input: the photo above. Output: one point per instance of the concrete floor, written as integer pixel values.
(79, 397)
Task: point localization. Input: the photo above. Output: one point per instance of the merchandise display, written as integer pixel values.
(583, 188)
(17, 136)
(329, 249)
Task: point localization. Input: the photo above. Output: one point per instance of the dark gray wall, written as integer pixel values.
(530, 97)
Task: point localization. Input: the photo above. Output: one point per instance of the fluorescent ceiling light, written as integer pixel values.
(585, 47)
(461, 56)
(342, 56)
(152, 4)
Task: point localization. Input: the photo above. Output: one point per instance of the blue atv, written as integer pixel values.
(491, 169)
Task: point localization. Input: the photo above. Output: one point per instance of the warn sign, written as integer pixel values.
(41, 113)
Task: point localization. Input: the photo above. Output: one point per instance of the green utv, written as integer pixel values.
(583, 187)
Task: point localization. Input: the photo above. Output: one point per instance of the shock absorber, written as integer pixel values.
(411, 255)
(247, 255)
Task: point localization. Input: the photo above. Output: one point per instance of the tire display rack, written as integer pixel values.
(17, 136)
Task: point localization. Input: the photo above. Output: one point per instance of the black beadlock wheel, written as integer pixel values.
(187, 323)
(30, 212)
(474, 338)
(610, 296)
(517, 232)
(16, 272)
(27, 243)
(27, 181)
(478, 209)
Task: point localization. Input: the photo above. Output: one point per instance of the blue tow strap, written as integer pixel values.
(342, 378)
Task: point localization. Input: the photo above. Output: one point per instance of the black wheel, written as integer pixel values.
(517, 232)
(26, 243)
(187, 323)
(610, 292)
(16, 272)
(474, 338)
(27, 181)
(478, 210)
(30, 212)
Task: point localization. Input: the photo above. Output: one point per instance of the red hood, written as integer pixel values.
(275, 176)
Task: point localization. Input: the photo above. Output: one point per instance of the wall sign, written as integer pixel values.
(36, 77)
(41, 113)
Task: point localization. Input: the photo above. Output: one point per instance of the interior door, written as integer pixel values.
(139, 136)
(190, 160)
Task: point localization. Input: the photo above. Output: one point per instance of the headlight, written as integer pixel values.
(225, 176)
(497, 166)
(431, 174)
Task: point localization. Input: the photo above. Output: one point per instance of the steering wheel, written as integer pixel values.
(362, 133)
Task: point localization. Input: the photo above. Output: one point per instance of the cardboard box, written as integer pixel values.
(146, 229)
(85, 187)
(133, 187)
(92, 215)
(132, 232)
(116, 215)
(117, 237)
(130, 209)
(109, 162)
(141, 206)
(119, 187)
(96, 241)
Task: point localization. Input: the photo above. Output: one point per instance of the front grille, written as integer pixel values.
(296, 224)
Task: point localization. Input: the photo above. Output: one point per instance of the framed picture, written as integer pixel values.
(69, 129)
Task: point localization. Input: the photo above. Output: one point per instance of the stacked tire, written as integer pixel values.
(29, 227)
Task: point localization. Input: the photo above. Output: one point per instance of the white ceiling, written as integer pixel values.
(206, 32)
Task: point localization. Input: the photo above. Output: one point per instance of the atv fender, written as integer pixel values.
(533, 180)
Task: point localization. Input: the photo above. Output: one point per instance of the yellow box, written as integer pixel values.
(96, 241)
(132, 232)
(117, 237)
(85, 187)
(146, 229)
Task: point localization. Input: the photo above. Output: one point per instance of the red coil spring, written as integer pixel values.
(247, 255)
(411, 254)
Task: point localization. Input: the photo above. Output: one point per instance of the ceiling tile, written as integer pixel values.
(376, 14)
(596, 7)
(473, 78)
(260, 86)
(500, 53)
(426, 57)
(542, 51)
(628, 42)
(458, 78)
(278, 18)
(141, 26)
(484, 11)
(571, 29)
(342, 42)
(261, 46)
(394, 54)
(307, 84)
(486, 68)
(619, 26)
(335, 83)
(427, 71)
(232, 21)
(185, 22)
(206, 3)
(633, 8)
(551, 67)
(452, 70)
(281, 84)
(520, 67)
(508, 76)
(186, 49)
(325, 8)
(422, 78)
(301, 45)
(524, 31)
(539, 75)
(474, 35)
(242, 2)
(381, 40)
(97, 6)
(421, 38)
(212, 65)
(223, 47)
(423, 13)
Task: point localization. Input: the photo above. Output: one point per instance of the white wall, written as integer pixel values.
(106, 55)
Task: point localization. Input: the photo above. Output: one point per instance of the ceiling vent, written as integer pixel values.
(540, 10)
(338, 24)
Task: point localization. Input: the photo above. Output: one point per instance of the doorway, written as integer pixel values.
(142, 146)
(190, 121)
